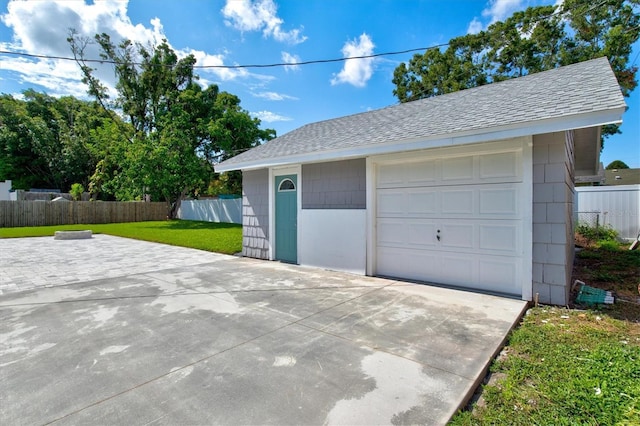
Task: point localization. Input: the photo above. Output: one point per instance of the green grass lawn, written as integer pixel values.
(216, 237)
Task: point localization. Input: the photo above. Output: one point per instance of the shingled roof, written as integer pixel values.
(575, 96)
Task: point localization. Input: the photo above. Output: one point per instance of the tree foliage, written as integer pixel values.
(174, 128)
(536, 39)
(46, 142)
(617, 164)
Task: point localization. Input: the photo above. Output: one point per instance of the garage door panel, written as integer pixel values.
(456, 201)
(461, 236)
(390, 262)
(420, 173)
(459, 271)
(417, 173)
(500, 165)
(391, 203)
(498, 200)
(421, 234)
(391, 175)
(489, 273)
(392, 233)
(457, 169)
(500, 237)
(406, 233)
(495, 167)
(473, 201)
(422, 202)
(457, 235)
(408, 202)
(408, 263)
(499, 275)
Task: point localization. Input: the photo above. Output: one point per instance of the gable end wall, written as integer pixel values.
(255, 214)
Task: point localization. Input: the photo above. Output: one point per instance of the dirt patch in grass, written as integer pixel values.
(617, 271)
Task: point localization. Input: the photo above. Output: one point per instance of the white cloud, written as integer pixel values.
(290, 59)
(31, 23)
(475, 26)
(274, 96)
(54, 76)
(498, 10)
(259, 15)
(356, 71)
(270, 117)
(33, 32)
(207, 60)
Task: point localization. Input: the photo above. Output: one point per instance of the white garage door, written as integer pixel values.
(455, 220)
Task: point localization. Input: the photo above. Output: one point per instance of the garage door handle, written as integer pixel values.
(438, 236)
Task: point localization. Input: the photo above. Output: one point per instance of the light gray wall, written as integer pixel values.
(334, 185)
(22, 195)
(255, 214)
(5, 190)
(221, 210)
(553, 194)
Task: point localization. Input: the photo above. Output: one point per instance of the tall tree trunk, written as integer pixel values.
(174, 207)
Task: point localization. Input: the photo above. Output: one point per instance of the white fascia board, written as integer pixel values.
(608, 188)
(578, 121)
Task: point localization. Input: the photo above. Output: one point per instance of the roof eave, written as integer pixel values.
(576, 121)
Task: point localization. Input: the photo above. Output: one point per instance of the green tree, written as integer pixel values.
(617, 164)
(18, 159)
(436, 72)
(608, 28)
(174, 128)
(46, 141)
(536, 39)
(526, 42)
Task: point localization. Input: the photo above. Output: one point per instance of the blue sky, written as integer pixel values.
(232, 32)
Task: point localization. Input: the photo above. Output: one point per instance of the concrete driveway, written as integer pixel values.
(117, 331)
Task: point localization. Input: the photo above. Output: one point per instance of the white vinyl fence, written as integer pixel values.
(614, 206)
(227, 210)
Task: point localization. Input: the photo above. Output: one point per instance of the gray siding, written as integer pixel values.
(334, 185)
(553, 192)
(255, 214)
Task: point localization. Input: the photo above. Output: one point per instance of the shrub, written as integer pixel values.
(76, 191)
(599, 234)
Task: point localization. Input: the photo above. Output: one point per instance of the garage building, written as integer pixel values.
(472, 189)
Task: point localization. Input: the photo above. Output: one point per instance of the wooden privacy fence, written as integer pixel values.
(43, 213)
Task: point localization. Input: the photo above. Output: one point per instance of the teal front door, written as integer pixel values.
(287, 218)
